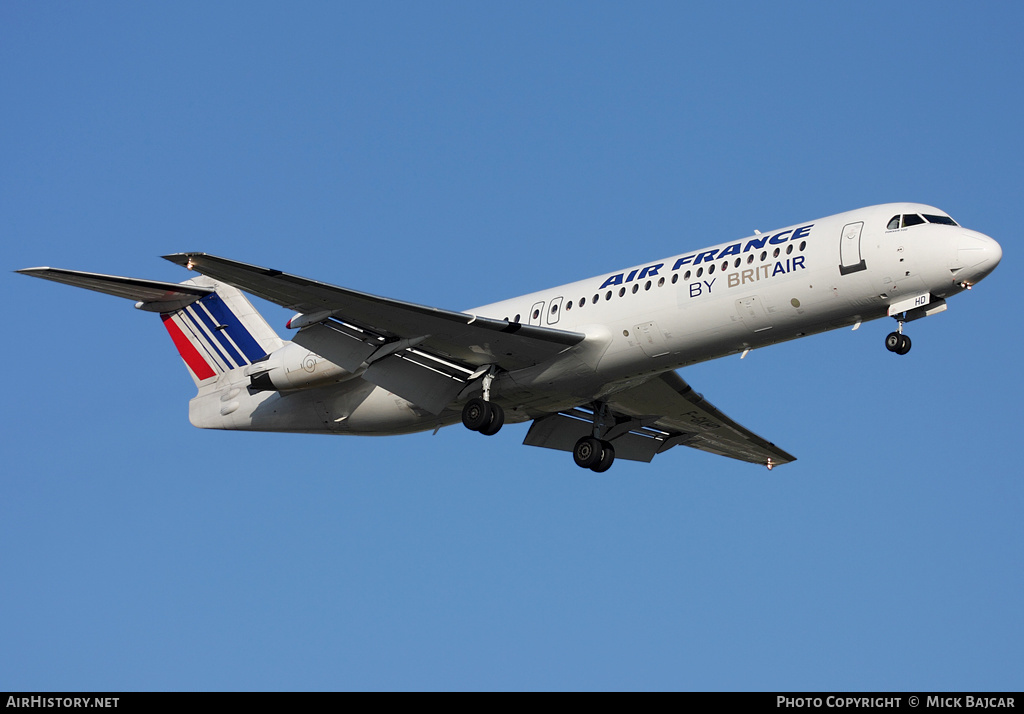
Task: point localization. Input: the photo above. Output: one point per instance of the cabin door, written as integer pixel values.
(850, 260)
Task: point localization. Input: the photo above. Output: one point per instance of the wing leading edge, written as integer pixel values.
(423, 354)
(472, 340)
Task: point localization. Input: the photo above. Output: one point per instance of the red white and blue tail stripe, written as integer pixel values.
(210, 338)
(219, 332)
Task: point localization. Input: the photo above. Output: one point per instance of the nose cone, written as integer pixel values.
(978, 254)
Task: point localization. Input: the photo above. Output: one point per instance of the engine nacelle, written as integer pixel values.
(294, 367)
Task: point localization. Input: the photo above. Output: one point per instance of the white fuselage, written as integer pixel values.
(663, 315)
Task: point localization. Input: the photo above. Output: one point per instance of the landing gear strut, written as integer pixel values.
(591, 452)
(896, 341)
(483, 415)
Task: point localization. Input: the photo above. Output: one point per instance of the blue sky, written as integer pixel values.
(456, 154)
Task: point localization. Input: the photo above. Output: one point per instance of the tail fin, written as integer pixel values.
(219, 332)
(212, 324)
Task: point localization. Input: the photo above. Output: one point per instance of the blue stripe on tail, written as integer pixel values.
(235, 329)
(218, 336)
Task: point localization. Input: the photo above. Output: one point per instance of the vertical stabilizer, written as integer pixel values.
(219, 332)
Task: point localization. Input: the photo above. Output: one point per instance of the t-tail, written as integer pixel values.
(212, 324)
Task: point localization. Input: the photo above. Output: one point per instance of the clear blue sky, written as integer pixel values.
(459, 153)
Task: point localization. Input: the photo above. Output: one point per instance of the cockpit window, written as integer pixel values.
(942, 220)
(912, 219)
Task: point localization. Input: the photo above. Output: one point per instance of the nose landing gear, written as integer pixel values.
(896, 341)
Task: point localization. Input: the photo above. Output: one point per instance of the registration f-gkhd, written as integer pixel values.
(590, 364)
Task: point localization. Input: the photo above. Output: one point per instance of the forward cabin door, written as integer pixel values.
(850, 260)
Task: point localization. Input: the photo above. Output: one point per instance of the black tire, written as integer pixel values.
(476, 414)
(587, 452)
(904, 345)
(893, 341)
(497, 420)
(607, 457)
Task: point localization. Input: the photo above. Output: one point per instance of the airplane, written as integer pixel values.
(591, 364)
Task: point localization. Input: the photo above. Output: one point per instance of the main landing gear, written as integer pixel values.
(483, 415)
(896, 341)
(594, 454)
(591, 452)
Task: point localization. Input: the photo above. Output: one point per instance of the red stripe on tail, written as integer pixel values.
(187, 350)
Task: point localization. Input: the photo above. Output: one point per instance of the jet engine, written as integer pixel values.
(294, 367)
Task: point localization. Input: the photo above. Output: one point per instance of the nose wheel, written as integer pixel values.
(896, 341)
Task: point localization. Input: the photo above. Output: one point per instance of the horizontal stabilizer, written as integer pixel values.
(157, 296)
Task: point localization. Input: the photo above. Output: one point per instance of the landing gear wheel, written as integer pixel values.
(607, 457)
(477, 414)
(904, 345)
(588, 452)
(497, 419)
(893, 341)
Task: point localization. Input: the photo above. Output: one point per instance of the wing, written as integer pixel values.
(423, 354)
(651, 418)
